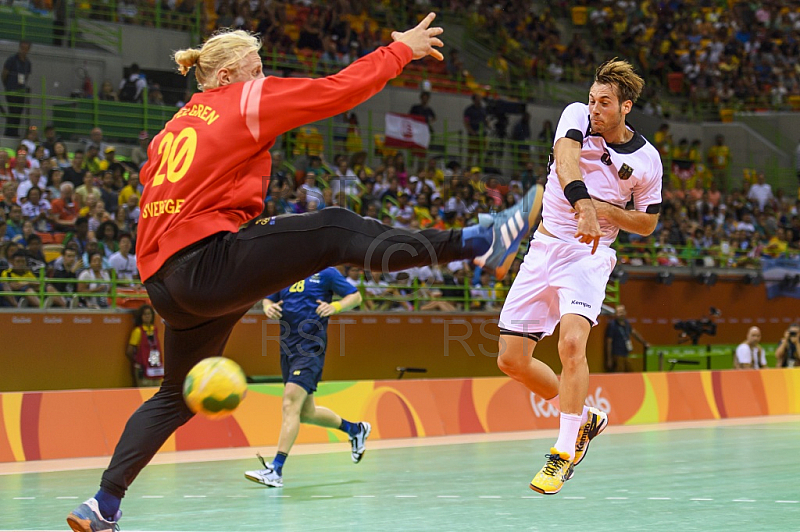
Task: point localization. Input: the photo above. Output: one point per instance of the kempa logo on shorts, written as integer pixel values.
(581, 303)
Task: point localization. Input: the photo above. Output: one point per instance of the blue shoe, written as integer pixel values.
(509, 229)
(87, 518)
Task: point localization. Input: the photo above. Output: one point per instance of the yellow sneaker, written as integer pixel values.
(552, 476)
(595, 424)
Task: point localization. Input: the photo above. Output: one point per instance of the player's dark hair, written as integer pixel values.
(627, 83)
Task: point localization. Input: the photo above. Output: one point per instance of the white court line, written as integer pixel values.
(24, 498)
(152, 496)
(659, 498)
(448, 496)
(237, 496)
(490, 497)
(238, 453)
(574, 498)
(616, 498)
(65, 498)
(279, 496)
(322, 496)
(194, 496)
(701, 499)
(405, 496)
(788, 502)
(743, 500)
(363, 496)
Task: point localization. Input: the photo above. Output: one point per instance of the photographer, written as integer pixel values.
(788, 353)
(750, 354)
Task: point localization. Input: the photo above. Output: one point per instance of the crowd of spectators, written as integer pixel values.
(719, 53)
(713, 52)
(84, 204)
(70, 216)
(706, 222)
(710, 51)
(74, 215)
(326, 36)
(700, 224)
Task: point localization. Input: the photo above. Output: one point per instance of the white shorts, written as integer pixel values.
(557, 278)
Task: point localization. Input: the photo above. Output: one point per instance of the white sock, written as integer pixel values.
(585, 415)
(568, 433)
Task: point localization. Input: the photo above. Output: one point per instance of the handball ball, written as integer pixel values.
(214, 387)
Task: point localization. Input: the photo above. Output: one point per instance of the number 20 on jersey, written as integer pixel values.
(176, 153)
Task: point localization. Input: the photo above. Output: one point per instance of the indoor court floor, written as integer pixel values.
(726, 475)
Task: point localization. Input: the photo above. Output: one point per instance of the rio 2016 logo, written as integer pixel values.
(542, 408)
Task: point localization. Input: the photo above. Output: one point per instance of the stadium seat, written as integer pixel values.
(47, 238)
(126, 297)
(52, 252)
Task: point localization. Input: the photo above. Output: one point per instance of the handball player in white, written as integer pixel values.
(598, 166)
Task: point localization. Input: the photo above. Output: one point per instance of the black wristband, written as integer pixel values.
(576, 190)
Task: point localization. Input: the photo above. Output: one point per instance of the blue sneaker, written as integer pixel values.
(87, 518)
(509, 228)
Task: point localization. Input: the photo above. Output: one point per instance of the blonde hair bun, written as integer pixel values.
(186, 59)
(224, 49)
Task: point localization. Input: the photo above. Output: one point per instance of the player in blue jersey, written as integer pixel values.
(303, 309)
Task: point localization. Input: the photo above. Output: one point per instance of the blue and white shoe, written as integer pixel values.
(87, 518)
(358, 442)
(510, 227)
(267, 476)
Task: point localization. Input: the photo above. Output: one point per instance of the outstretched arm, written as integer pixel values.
(287, 103)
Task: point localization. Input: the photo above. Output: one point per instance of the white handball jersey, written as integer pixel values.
(613, 173)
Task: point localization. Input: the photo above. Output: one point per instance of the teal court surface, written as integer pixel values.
(721, 475)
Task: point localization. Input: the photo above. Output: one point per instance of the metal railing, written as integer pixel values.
(118, 289)
(695, 357)
(75, 117)
(17, 24)
(653, 254)
(412, 296)
(142, 14)
(493, 155)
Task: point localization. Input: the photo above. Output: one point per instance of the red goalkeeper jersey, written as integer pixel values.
(208, 170)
